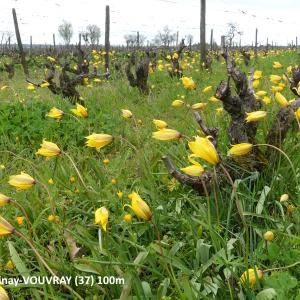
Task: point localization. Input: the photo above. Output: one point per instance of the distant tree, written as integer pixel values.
(165, 37)
(65, 31)
(231, 32)
(94, 34)
(189, 39)
(131, 40)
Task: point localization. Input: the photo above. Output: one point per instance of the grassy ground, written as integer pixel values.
(205, 249)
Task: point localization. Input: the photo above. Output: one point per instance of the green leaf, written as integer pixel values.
(147, 290)
(266, 294)
(261, 201)
(282, 283)
(21, 267)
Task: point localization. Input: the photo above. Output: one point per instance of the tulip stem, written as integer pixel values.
(38, 255)
(76, 169)
(158, 238)
(237, 200)
(15, 203)
(284, 154)
(282, 268)
(100, 239)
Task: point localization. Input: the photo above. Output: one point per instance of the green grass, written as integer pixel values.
(206, 249)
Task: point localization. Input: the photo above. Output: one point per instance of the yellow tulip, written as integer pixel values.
(188, 83)
(22, 181)
(48, 149)
(275, 78)
(4, 200)
(257, 74)
(266, 100)
(80, 111)
(255, 83)
(207, 89)
(269, 236)
(101, 217)
(219, 110)
(297, 113)
(45, 84)
(166, 134)
(204, 148)
(213, 99)
(255, 116)
(160, 124)
(261, 93)
(55, 113)
(5, 227)
(240, 149)
(51, 58)
(297, 89)
(250, 277)
(177, 103)
(127, 218)
(3, 294)
(127, 114)
(198, 106)
(277, 65)
(277, 89)
(98, 141)
(193, 170)
(140, 207)
(281, 100)
(175, 56)
(284, 198)
(30, 87)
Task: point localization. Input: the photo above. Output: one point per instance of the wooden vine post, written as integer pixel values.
(202, 31)
(107, 45)
(22, 54)
(255, 46)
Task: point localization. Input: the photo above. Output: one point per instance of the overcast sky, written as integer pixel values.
(276, 19)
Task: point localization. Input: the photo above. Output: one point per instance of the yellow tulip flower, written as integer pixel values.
(101, 217)
(240, 149)
(255, 116)
(297, 113)
(207, 89)
(204, 148)
(277, 65)
(3, 294)
(140, 207)
(188, 83)
(55, 113)
(98, 141)
(45, 84)
(198, 106)
(177, 103)
(269, 236)
(30, 87)
(80, 111)
(160, 124)
(193, 170)
(166, 134)
(127, 114)
(261, 93)
(257, 74)
(5, 227)
(22, 181)
(275, 78)
(48, 149)
(4, 200)
(250, 277)
(281, 100)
